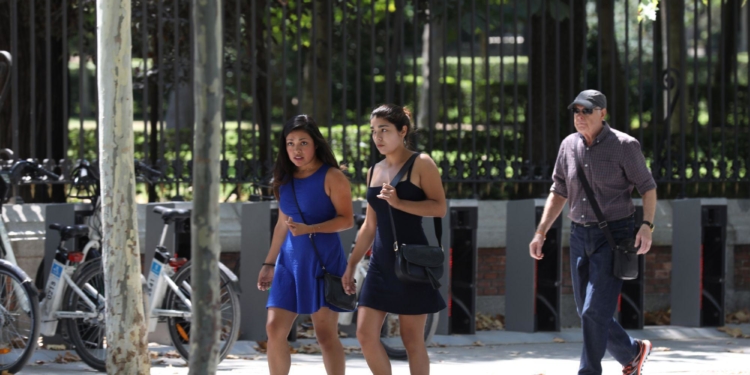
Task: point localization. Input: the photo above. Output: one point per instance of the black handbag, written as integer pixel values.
(333, 287)
(625, 254)
(417, 263)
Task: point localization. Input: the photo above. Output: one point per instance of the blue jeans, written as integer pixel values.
(596, 293)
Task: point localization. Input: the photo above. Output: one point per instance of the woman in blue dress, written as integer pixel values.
(292, 266)
(420, 193)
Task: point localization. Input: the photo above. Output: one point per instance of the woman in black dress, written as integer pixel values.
(419, 194)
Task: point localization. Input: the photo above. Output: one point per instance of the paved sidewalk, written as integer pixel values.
(677, 350)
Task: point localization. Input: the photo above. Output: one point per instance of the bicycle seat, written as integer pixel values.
(359, 219)
(70, 231)
(172, 214)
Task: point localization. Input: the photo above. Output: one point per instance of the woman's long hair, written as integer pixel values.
(284, 169)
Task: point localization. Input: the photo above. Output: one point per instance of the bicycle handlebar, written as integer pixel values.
(47, 173)
(147, 173)
(20, 166)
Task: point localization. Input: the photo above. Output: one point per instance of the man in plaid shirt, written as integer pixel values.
(613, 164)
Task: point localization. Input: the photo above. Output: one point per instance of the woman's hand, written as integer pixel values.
(350, 286)
(298, 229)
(388, 194)
(265, 278)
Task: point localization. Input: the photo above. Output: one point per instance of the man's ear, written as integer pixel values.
(604, 113)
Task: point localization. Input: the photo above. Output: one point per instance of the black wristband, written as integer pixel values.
(650, 225)
(269, 264)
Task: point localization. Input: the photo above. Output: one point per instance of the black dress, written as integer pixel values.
(382, 290)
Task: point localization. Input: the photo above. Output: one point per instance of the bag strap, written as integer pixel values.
(592, 199)
(294, 193)
(437, 221)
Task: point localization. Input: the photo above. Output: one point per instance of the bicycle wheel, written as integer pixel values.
(19, 318)
(390, 335)
(179, 328)
(88, 334)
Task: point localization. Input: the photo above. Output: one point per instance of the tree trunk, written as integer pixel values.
(261, 164)
(204, 342)
(316, 101)
(726, 50)
(550, 103)
(126, 325)
(613, 73)
(430, 90)
(674, 12)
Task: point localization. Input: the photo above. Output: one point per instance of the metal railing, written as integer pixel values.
(492, 114)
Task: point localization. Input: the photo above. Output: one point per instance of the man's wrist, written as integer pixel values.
(541, 233)
(649, 224)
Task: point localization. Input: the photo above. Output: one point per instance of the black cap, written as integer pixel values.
(590, 99)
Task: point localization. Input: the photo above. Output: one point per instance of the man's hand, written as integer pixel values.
(535, 247)
(643, 239)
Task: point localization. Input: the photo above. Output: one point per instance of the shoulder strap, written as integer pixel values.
(311, 235)
(592, 199)
(437, 221)
(369, 179)
(408, 175)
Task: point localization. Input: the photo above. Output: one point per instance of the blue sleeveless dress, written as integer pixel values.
(298, 279)
(382, 290)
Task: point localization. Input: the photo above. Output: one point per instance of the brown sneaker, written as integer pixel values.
(636, 365)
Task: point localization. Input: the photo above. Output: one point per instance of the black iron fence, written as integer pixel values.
(488, 82)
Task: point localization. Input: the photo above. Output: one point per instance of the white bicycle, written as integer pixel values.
(168, 294)
(390, 335)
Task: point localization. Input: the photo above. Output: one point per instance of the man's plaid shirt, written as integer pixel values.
(613, 164)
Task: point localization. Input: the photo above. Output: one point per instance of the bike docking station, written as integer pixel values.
(532, 287)
(459, 282)
(630, 305)
(177, 239)
(65, 214)
(699, 253)
(258, 220)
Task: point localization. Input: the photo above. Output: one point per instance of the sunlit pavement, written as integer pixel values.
(676, 351)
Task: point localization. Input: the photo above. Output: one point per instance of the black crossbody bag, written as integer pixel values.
(625, 254)
(417, 263)
(334, 290)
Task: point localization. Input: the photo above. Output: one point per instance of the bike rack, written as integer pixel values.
(443, 327)
(532, 287)
(463, 216)
(699, 253)
(257, 228)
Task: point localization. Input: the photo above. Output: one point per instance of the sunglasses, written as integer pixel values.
(585, 111)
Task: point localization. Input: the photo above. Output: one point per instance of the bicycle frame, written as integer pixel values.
(58, 281)
(160, 278)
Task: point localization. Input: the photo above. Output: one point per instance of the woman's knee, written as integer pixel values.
(368, 335)
(277, 329)
(327, 337)
(413, 341)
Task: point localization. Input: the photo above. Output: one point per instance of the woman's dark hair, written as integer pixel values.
(396, 115)
(284, 169)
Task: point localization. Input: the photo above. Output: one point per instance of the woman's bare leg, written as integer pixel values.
(369, 323)
(278, 325)
(412, 334)
(326, 324)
